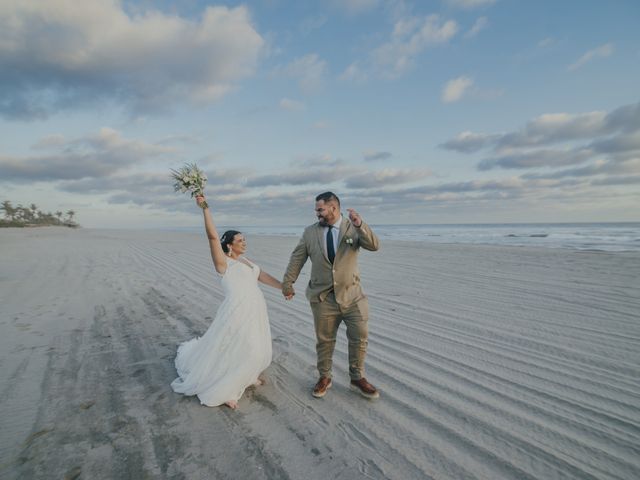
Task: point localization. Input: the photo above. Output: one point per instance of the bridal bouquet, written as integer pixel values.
(190, 179)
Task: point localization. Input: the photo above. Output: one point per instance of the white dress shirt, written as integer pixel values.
(335, 232)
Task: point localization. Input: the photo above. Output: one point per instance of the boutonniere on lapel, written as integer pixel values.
(348, 241)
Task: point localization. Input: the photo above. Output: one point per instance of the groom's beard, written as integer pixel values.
(322, 221)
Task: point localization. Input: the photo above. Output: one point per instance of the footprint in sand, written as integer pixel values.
(87, 405)
(73, 473)
(37, 434)
(282, 341)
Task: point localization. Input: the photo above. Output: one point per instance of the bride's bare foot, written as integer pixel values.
(232, 404)
(259, 382)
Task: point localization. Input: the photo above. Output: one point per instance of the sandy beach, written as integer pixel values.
(493, 363)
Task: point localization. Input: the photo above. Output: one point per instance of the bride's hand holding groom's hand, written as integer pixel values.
(288, 292)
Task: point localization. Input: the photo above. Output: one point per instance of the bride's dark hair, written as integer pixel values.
(227, 238)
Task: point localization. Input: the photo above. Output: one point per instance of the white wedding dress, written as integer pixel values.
(236, 348)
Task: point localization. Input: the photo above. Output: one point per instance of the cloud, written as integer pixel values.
(495, 195)
(151, 183)
(469, 142)
(480, 24)
(291, 105)
(310, 70)
(561, 127)
(625, 119)
(511, 183)
(555, 127)
(325, 170)
(469, 193)
(96, 155)
(354, 73)
(372, 156)
(45, 143)
(537, 158)
(599, 167)
(110, 140)
(546, 42)
(455, 89)
(598, 144)
(312, 23)
(143, 183)
(474, 197)
(626, 180)
(600, 52)
(54, 57)
(161, 197)
(627, 142)
(321, 161)
(296, 178)
(556, 158)
(310, 170)
(179, 139)
(410, 37)
(552, 128)
(55, 167)
(385, 177)
(470, 4)
(486, 197)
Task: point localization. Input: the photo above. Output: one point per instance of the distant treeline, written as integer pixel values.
(32, 216)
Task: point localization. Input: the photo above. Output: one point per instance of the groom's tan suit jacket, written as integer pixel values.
(343, 276)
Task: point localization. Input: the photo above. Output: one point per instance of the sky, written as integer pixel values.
(431, 111)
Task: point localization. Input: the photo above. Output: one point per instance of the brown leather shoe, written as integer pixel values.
(364, 388)
(320, 390)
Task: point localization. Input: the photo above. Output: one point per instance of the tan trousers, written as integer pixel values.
(327, 316)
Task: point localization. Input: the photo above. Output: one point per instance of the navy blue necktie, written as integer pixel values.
(331, 252)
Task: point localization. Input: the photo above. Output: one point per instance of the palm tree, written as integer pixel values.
(32, 216)
(47, 218)
(9, 211)
(24, 214)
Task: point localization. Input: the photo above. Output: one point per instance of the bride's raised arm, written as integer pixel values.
(217, 254)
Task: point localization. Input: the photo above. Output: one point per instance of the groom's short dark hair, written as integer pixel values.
(328, 197)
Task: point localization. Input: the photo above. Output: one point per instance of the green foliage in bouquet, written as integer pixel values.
(191, 179)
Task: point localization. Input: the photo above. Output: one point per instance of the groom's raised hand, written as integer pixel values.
(355, 217)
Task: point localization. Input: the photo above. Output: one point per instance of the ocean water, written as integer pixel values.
(611, 237)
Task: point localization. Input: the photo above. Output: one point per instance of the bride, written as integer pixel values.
(236, 348)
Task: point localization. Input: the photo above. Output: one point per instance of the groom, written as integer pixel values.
(334, 288)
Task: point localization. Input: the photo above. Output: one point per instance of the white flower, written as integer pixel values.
(348, 241)
(191, 179)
